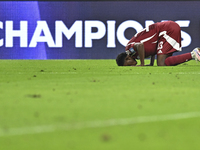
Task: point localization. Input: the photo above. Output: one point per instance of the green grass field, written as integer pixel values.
(96, 105)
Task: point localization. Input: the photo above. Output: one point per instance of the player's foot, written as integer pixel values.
(196, 54)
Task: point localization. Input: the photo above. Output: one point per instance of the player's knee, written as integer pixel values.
(168, 61)
(161, 60)
(161, 64)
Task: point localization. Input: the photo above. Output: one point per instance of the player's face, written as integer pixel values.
(129, 61)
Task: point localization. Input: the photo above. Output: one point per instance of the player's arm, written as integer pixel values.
(152, 60)
(141, 52)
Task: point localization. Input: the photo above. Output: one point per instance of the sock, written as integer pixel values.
(175, 60)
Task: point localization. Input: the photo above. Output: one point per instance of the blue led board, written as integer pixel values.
(87, 30)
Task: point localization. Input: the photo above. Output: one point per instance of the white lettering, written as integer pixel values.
(111, 34)
(42, 27)
(62, 29)
(182, 23)
(148, 23)
(1, 27)
(185, 36)
(89, 35)
(94, 30)
(125, 25)
(22, 33)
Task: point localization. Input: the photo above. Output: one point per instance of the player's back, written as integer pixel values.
(150, 36)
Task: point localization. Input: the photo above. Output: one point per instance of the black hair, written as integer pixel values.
(120, 59)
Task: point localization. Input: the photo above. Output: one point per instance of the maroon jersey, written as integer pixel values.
(159, 38)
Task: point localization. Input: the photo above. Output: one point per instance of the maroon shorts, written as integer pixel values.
(170, 40)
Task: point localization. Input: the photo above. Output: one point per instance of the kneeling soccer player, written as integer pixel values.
(161, 39)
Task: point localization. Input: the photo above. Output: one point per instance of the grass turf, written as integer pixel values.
(49, 93)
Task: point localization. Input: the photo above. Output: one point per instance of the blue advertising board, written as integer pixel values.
(87, 30)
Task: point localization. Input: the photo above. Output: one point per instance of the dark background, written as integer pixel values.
(69, 12)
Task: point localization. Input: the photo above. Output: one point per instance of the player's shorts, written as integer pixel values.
(170, 39)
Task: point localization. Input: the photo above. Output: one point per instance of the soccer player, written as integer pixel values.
(161, 39)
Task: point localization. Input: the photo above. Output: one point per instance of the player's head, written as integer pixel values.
(125, 60)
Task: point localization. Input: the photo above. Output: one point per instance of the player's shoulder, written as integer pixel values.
(165, 23)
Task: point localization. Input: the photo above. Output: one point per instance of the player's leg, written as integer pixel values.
(175, 60)
(169, 42)
(169, 60)
(161, 59)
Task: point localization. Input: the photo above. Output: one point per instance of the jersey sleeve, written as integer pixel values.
(130, 49)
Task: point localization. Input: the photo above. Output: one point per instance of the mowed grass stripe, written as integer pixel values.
(96, 124)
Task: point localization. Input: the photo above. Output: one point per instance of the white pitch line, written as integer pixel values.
(95, 124)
